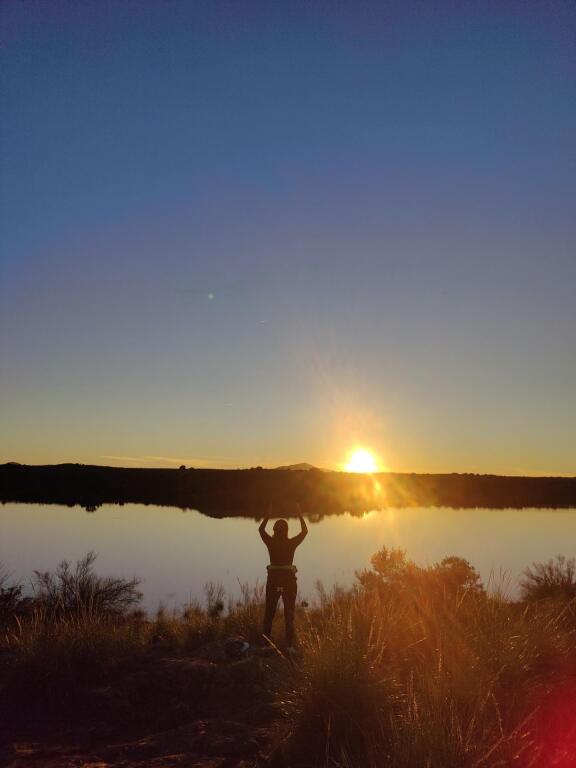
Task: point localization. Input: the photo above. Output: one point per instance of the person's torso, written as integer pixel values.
(281, 551)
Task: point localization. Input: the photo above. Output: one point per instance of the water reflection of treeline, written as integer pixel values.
(248, 492)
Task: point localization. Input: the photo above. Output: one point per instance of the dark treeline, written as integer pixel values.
(248, 492)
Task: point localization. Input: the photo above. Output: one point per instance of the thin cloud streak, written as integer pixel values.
(204, 462)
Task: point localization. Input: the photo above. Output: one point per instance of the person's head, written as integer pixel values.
(281, 529)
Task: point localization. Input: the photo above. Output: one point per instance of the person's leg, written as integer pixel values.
(289, 600)
(272, 596)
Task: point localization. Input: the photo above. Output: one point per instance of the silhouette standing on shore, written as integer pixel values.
(281, 573)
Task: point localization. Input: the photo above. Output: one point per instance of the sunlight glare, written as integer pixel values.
(362, 460)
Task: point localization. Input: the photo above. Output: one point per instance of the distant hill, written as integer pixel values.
(303, 465)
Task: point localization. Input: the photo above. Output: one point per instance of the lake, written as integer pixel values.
(175, 552)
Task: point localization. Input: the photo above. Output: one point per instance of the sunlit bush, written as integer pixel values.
(394, 574)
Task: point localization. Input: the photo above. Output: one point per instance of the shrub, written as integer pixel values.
(555, 579)
(79, 591)
(393, 573)
(457, 575)
(341, 697)
(11, 599)
(214, 599)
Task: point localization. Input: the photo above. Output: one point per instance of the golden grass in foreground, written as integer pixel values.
(408, 668)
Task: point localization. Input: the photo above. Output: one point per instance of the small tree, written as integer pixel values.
(389, 567)
(390, 564)
(457, 575)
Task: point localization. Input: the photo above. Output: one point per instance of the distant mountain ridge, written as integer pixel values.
(303, 465)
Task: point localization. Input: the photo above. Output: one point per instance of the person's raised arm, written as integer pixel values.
(299, 538)
(264, 535)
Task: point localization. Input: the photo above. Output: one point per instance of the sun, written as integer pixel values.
(362, 460)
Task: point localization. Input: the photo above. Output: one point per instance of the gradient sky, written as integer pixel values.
(241, 233)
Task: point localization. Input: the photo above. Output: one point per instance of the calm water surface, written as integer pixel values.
(176, 552)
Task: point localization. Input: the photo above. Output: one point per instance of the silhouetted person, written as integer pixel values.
(281, 573)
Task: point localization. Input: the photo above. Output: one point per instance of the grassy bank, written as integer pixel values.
(410, 667)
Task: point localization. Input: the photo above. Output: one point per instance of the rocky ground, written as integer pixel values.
(215, 709)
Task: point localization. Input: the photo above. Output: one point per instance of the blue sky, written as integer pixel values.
(254, 233)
